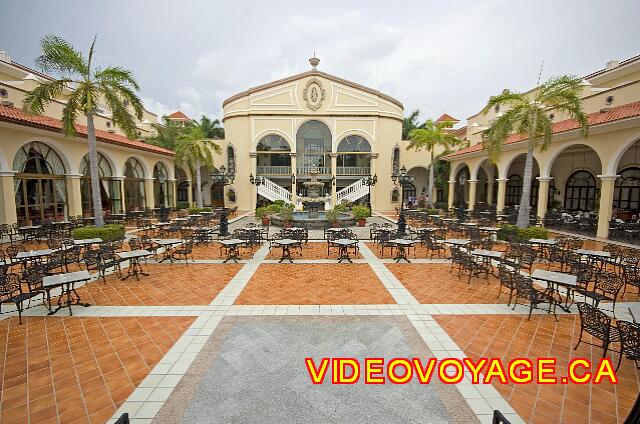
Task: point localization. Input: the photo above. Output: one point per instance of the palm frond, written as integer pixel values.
(59, 56)
(71, 110)
(37, 99)
(120, 115)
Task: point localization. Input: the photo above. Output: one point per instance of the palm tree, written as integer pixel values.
(212, 128)
(87, 86)
(528, 116)
(409, 123)
(195, 150)
(431, 136)
(167, 134)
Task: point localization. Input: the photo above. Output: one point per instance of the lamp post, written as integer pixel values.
(462, 180)
(370, 181)
(164, 213)
(403, 179)
(225, 178)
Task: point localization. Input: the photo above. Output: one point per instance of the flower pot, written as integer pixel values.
(362, 222)
(287, 224)
(266, 220)
(335, 224)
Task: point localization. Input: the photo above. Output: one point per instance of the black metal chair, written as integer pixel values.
(183, 251)
(498, 418)
(606, 288)
(11, 292)
(525, 289)
(507, 281)
(629, 341)
(598, 325)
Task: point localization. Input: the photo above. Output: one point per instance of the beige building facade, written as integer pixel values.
(598, 173)
(44, 175)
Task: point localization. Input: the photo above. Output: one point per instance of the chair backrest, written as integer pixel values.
(631, 256)
(135, 244)
(609, 283)
(498, 418)
(13, 250)
(594, 321)
(33, 276)
(9, 285)
(630, 339)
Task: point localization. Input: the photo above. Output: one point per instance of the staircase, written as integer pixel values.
(273, 191)
(353, 192)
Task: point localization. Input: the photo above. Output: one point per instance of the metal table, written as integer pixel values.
(286, 248)
(66, 282)
(555, 280)
(135, 268)
(233, 249)
(168, 245)
(343, 248)
(85, 242)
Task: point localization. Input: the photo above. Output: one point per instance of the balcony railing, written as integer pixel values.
(353, 170)
(273, 170)
(306, 170)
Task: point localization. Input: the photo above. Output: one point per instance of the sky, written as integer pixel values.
(435, 56)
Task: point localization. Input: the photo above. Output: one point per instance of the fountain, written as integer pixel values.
(312, 215)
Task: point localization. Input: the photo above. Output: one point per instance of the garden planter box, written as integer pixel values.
(266, 221)
(362, 222)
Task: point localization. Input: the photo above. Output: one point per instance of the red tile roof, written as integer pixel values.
(629, 110)
(19, 116)
(179, 116)
(446, 117)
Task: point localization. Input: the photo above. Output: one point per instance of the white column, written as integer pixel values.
(543, 196)
(334, 169)
(452, 192)
(502, 194)
(149, 197)
(8, 205)
(490, 180)
(190, 193)
(294, 167)
(472, 193)
(607, 185)
(74, 196)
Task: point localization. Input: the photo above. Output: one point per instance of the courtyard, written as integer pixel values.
(204, 340)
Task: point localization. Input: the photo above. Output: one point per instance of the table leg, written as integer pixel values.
(401, 254)
(286, 253)
(343, 254)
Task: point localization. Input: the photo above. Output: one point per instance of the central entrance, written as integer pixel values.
(313, 144)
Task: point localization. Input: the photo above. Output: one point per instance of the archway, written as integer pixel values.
(110, 192)
(574, 170)
(216, 192)
(313, 144)
(162, 188)
(461, 192)
(515, 177)
(39, 184)
(420, 186)
(134, 192)
(182, 189)
(273, 156)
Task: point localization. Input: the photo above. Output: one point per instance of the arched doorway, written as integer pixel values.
(39, 184)
(182, 190)
(110, 193)
(574, 170)
(461, 192)
(216, 192)
(134, 185)
(515, 176)
(626, 195)
(313, 144)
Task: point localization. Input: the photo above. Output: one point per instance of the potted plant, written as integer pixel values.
(333, 216)
(263, 214)
(361, 213)
(286, 213)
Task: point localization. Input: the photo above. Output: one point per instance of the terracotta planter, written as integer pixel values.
(335, 224)
(266, 220)
(287, 224)
(362, 222)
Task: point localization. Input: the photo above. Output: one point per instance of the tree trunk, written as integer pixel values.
(525, 200)
(96, 199)
(199, 202)
(430, 189)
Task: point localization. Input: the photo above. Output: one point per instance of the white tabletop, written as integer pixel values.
(461, 242)
(33, 253)
(404, 242)
(286, 241)
(167, 242)
(30, 227)
(133, 254)
(487, 253)
(489, 228)
(231, 242)
(345, 242)
(555, 277)
(542, 241)
(87, 241)
(599, 253)
(69, 277)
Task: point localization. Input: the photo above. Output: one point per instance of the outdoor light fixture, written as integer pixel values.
(333, 180)
(370, 181)
(252, 180)
(293, 179)
(462, 179)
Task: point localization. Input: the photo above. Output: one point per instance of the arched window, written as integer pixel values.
(39, 184)
(395, 195)
(134, 185)
(109, 187)
(183, 191)
(626, 195)
(231, 159)
(162, 187)
(354, 153)
(514, 190)
(313, 142)
(395, 161)
(580, 191)
(273, 156)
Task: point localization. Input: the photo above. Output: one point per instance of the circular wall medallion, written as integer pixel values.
(313, 94)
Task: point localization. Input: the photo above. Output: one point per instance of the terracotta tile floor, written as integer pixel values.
(432, 283)
(508, 337)
(177, 284)
(419, 252)
(317, 284)
(78, 370)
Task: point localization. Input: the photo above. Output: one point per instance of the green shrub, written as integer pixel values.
(342, 207)
(262, 212)
(199, 210)
(280, 203)
(109, 232)
(274, 208)
(286, 212)
(182, 205)
(433, 211)
(332, 215)
(512, 232)
(361, 212)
